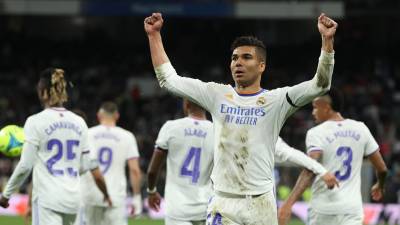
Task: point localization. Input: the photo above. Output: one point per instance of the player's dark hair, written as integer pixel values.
(52, 87)
(109, 107)
(195, 107)
(251, 41)
(337, 100)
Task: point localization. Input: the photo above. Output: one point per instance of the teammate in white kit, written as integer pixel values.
(187, 144)
(247, 121)
(113, 147)
(56, 142)
(340, 145)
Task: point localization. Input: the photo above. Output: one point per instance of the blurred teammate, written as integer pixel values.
(247, 120)
(112, 148)
(187, 144)
(56, 142)
(94, 170)
(340, 145)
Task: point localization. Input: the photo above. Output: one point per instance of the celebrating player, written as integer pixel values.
(247, 120)
(187, 144)
(340, 145)
(56, 141)
(113, 146)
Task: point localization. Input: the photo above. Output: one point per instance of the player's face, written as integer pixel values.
(320, 110)
(246, 66)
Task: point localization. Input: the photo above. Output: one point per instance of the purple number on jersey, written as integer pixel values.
(217, 220)
(194, 154)
(346, 163)
(70, 155)
(105, 158)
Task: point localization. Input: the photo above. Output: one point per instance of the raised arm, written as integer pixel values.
(152, 26)
(193, 89)
(303, 93)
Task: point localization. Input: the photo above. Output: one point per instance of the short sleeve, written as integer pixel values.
(162, 141)
(313, 142)
(133, 151)
(31, 133)
(92, 154)
(85, 145)
(370, 145)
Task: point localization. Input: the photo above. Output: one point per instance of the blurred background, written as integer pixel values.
(103, 48)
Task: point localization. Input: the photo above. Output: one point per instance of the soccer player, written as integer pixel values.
(247, 120)
(113, 146)
(187, 144)
(56, 143)
(340, 144)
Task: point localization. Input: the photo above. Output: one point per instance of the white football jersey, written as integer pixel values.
(61, 137)
(344, 144)
(246, 127)
(112, 147)
(189, 143)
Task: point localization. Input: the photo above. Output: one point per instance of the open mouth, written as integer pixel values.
(239, 73)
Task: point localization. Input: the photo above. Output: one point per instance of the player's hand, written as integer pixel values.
(4, 202)
(377, 192)
(284, 214)
(326, 26)
(155, 201)
(107, 199)
(137, 206)
(330, 180)
(153, 23)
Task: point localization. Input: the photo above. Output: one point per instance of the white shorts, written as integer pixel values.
(100, 215)
(45, 216)
(259, 210)
(170, 221)
(315, 218)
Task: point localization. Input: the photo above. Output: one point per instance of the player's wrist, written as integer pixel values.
(154, 35)
(151, 191)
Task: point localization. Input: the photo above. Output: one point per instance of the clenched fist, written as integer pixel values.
(326, 26)
(153, 23)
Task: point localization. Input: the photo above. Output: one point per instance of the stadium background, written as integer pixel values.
(104, 50)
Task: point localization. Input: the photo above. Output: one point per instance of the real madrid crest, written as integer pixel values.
(260, 101)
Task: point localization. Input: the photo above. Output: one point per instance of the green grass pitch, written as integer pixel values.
(15, 220)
